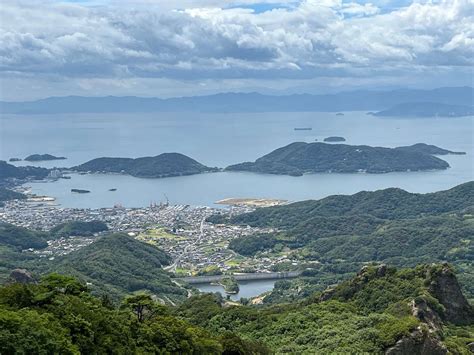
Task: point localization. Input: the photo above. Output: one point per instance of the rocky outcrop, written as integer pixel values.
(21, 276)
(444, 285)
(419, 342)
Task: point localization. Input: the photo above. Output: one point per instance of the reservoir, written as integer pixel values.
(221, 139)
(248, 289)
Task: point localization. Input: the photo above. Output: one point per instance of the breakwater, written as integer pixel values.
(241, 277)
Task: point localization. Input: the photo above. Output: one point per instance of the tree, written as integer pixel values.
(143, 306)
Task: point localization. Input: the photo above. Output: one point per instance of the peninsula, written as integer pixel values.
(426, 109)
(160, 166)
(301, 158)
(43, 157)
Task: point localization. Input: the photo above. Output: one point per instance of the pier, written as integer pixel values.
(241, 277)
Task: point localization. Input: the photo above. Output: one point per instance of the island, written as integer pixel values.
(301, 158)
(43, 157)
(230, 285)
(14, 159)
(426, 109)
(334, 139)
(160, 166)
(80, 191)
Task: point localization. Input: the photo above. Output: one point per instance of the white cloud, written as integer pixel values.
(310, 39)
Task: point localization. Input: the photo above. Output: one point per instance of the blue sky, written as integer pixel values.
(194, 47)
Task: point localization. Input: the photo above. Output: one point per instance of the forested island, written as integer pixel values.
(334, 139)
(160, 166)
(229, 284)
(42, 157)
(301, 158)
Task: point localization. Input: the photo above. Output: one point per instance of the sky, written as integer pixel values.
(197, 47)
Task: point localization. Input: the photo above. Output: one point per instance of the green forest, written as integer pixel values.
(379, 309)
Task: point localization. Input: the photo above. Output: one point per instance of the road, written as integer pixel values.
(173, 266)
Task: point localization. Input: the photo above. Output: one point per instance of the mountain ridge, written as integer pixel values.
(242, 102)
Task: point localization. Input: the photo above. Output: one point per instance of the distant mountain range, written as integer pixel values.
(361, 100)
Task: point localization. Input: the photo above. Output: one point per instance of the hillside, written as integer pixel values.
(378, 311)
(300, 158)
(381, 310)
(342, 233)
(21, 172)
(78, 228)
(391, 203)
(163, 165)
(427, 109)
(118, 264)
(7, 195)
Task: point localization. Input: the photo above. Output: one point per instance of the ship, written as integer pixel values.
(303, 129)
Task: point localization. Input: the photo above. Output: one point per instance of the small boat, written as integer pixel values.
(80, 191)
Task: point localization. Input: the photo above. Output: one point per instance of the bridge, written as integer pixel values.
(241, 277)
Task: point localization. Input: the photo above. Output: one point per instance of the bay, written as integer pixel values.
(220, 140)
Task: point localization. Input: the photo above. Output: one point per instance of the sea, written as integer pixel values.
(221, 139)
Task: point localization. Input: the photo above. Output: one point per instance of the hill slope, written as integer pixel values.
(119, 264)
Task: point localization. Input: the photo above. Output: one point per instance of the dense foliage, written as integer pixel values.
(22, 238)
(300, 158)
(163, 165)
(345, 232)
(391, 203)
(78, 228)
(119, 264)
(59, 316)
(366, 314)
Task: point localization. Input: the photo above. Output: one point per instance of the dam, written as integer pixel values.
(241, 277)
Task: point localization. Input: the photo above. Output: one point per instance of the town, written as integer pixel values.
(196, 246)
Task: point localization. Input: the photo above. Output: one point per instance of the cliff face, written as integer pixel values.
(445, 287)
(434, 299)
(425, 340)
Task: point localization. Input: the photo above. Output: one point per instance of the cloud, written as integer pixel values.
(308, 39)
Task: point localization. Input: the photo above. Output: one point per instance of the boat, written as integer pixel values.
(303, 129)
(80, 191)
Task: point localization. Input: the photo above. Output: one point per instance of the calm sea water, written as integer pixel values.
(221, 140)
(247, 289)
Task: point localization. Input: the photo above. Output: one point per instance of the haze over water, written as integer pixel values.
(221, 140)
